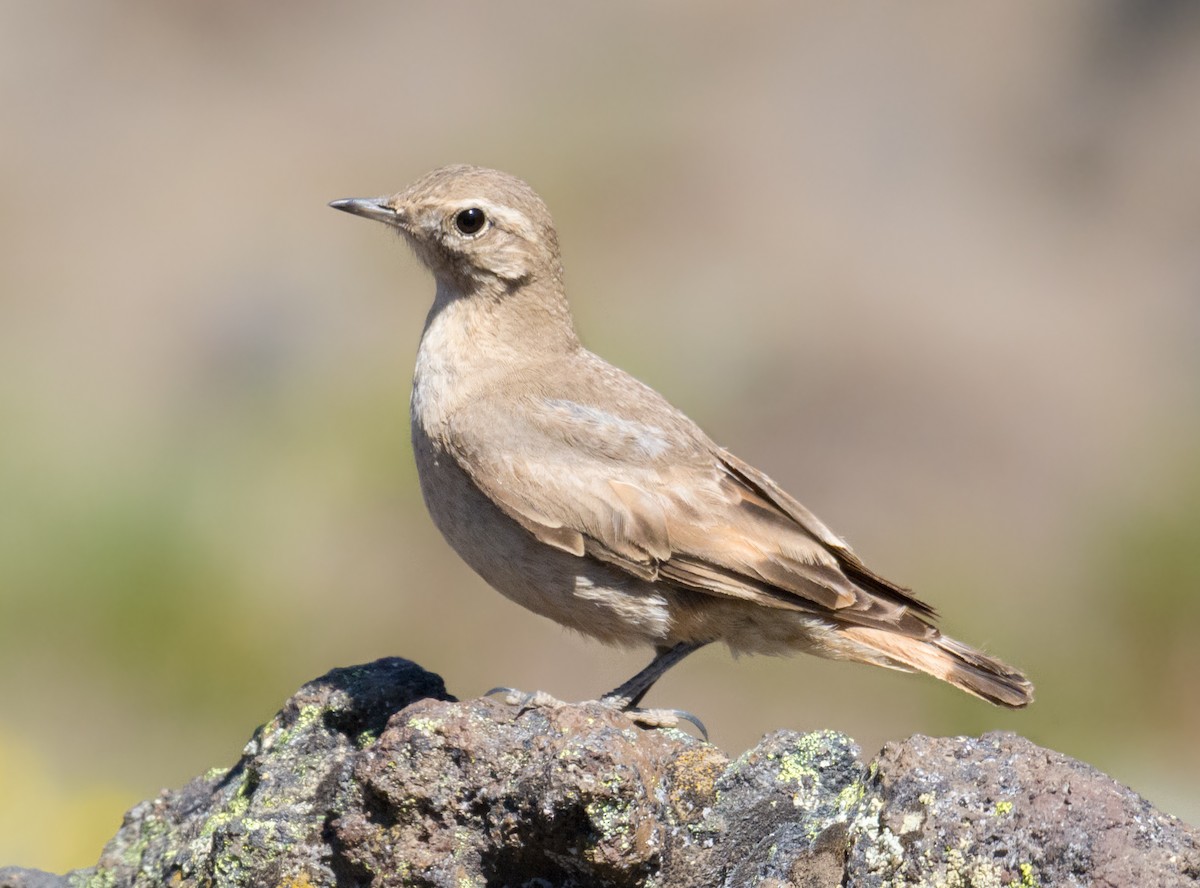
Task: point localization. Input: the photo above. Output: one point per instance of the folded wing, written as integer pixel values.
(667, 505)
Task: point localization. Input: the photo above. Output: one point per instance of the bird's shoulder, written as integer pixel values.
(578, 408)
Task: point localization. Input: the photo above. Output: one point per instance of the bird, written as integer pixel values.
(582, 494)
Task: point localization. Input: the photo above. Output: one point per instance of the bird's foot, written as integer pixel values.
(526, 700)
(645, 718)
(654, 718)
(664, 718)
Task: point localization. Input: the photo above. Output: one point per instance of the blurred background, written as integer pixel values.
(936, 269)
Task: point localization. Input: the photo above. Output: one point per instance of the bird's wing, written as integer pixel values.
(754, 480)
(660, 501)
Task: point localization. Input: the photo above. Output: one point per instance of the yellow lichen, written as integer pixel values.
(1028, 878)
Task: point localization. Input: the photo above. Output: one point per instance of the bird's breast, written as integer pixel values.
(437, 381)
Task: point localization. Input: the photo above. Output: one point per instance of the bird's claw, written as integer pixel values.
(525, 700)
(646, 718)
(665, 718)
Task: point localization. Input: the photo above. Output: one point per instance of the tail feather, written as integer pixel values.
(952, 661)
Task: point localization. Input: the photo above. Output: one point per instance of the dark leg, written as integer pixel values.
(630, 694)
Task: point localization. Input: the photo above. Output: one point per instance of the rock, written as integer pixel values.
(1000, 810)
(16, 877)
(374, 776)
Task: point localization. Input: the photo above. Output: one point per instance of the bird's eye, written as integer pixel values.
(470, 221)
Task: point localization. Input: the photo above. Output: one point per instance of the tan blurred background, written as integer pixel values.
(935, 269)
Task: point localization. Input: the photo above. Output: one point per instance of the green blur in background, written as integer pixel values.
(935, 268)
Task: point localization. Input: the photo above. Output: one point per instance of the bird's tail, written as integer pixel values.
(951, 661)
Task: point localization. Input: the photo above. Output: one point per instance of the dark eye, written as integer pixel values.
(470, 221)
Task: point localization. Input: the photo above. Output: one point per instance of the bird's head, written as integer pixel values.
(474, 228)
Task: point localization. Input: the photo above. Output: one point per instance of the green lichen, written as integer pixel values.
(425, 725)
(255, 845)
(884, 854)
(970, 872)
(957, 867)
(1003, 809)
(809, 755)
(851, 797)
(98, 878)
(951, 867)
(150, 828)
(794, 767)
(812, 755)
(612, 820)
(305, 719)
(271, 837)
(1028, 876)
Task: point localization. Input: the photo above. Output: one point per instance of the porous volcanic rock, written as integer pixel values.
(374, 776)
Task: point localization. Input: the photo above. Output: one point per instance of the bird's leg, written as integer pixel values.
(627, 696)
(630, 694)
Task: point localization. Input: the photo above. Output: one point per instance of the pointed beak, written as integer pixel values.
(369, 208)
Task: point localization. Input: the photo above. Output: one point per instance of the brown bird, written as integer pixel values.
(581, 494)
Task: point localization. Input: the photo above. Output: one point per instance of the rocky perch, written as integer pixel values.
(374, 776)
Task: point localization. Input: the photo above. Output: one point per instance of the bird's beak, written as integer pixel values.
(370, 208)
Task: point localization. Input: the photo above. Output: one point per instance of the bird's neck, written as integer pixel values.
(473, 341)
